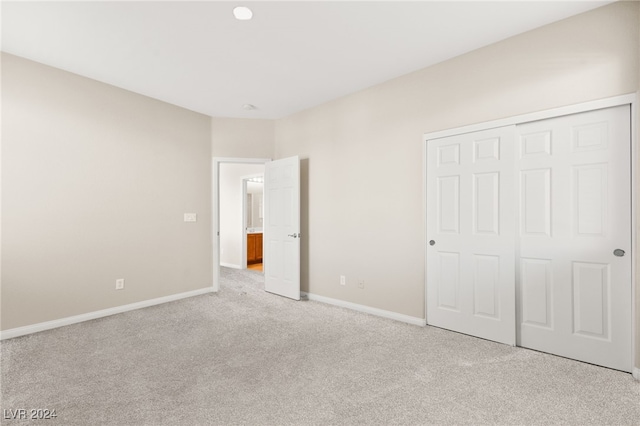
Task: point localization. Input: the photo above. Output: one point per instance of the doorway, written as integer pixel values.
(229, 224)
(281, 223)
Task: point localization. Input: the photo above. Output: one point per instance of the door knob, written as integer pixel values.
(432, 243)
(294, 235)
(618, 252)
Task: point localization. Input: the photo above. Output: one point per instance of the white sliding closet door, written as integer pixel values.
(536, 217)
(574, 288)
(471, 225)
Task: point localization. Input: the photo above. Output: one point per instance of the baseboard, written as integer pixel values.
(230, 265)
(367, 309)
(35, 328)
(636, 373)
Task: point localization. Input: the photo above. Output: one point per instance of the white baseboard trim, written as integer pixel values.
(230, 265)
(29, 329)
(636, 373)
(367, 309)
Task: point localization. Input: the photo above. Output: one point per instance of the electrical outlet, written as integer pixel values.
(360, 283)
(343, 280)
(120, 284)
(190, 217)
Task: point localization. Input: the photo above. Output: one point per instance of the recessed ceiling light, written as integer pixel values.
(242, 13)
(249, 107)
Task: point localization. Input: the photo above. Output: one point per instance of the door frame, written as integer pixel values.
(629, 99)
(215, 209)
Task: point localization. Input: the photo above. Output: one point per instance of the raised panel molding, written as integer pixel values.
(449, 202)
(449, 155)
(535, 205)
(591, 300)
(288, 174)
(535, 292)
(449, 281)
(486, 149)
(589, 137)
(287, 218)
(486, 279)
(590, 200)
(274, 211)
(486, 203)
(535, 144)
(274, 270)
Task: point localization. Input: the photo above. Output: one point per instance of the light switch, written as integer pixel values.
(190, 217)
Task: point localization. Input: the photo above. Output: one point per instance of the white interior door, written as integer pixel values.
(470, 228)
(574, 293)
(282, 227)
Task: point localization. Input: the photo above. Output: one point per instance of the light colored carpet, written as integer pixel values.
(245, 357)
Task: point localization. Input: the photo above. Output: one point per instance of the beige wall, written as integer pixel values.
(95, 182)
(242, 138)
(363, 216)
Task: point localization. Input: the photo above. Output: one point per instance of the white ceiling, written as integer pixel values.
(289, 57)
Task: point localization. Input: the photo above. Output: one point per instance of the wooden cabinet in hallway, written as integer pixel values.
(254, 248)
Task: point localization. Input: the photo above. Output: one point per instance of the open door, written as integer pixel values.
(282, 227)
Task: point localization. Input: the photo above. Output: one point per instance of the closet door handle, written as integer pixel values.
(618, 252)
(432, 243)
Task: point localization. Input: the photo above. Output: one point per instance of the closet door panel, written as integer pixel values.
(470, 264)
(574, 293)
